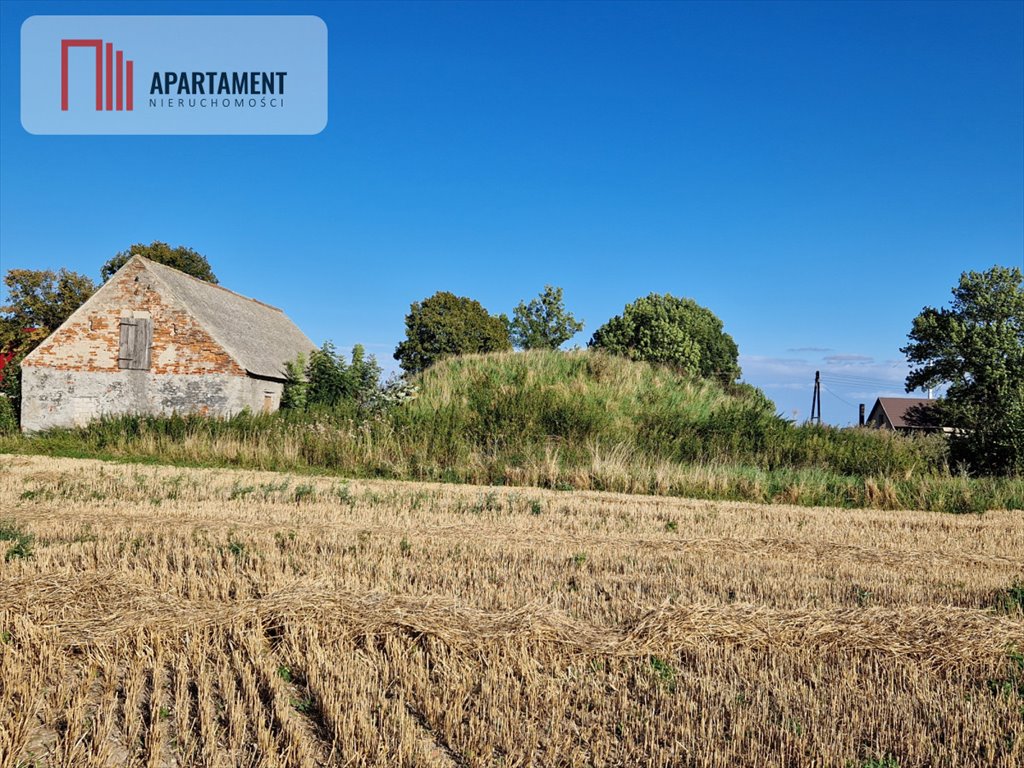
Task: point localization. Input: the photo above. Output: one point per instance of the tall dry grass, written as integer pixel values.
(565, 420)
(159, 616)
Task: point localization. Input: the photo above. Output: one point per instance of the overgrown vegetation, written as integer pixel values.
(329, 381)
(8, 417)
(582, 420)
(328, 386)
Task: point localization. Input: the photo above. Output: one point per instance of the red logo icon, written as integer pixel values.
(123, 71)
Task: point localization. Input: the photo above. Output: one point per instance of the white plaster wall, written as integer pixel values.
(62, 398)
(263, 396)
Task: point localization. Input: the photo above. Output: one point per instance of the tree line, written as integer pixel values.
(659, 328)
(975, 346)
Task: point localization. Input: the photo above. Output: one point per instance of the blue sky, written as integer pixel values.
(814, 173)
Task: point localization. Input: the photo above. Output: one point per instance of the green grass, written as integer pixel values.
(578, 420)
(18, 541)
(665, 673)
(1011, 599)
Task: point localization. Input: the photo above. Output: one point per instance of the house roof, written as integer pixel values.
(260, 338)
(898, 411)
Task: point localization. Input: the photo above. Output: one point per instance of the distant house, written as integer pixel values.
(153, 340)
(904, 414)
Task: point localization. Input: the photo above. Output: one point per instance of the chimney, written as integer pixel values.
(861, 414)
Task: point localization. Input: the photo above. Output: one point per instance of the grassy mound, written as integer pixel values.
(515, 400)
(578, 420)
(511, 402)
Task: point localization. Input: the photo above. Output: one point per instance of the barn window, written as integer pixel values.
(136, 340)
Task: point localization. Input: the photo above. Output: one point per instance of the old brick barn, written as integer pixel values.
(153, 340)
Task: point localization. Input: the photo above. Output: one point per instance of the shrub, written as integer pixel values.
(296, 384)
(8, 416)
(329, 382)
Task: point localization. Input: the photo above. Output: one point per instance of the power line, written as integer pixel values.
(871, 380)
(854, 376)
(860, 382)
(837, 397)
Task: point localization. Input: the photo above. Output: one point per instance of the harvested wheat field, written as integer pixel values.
(160, 616)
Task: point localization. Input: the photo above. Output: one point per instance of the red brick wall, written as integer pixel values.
(90, 341)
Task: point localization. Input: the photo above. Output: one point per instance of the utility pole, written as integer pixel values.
(816, 401)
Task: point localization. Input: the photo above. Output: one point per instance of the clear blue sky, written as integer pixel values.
(814, 173)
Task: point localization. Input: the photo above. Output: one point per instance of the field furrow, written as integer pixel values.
(155, 616)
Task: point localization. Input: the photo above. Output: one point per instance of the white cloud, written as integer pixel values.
(848, 359)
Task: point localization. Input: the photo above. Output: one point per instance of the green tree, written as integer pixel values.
(661, 328)
(364, 373)
(976, 347)
(183, 258)
(544, 323)
(328, 376)
(331, 380)
(296, 384)
(445, 324)
(38, 302)
(328, 380)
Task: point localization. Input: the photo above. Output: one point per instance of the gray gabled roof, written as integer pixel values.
(259, 337)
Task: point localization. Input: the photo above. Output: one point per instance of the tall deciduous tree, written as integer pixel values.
(544, 323)
(40, 299)
(38, 302)
(445, 324)
(976, 346)
(183, 258)
(661, 328)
